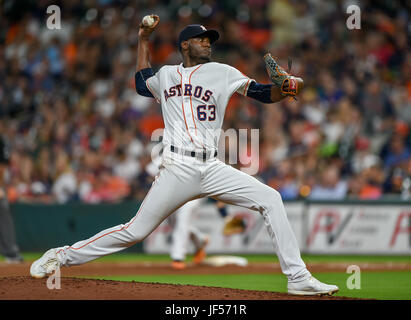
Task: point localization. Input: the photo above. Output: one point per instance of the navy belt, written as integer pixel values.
(202, 155)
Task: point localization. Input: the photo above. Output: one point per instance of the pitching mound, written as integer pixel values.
(15, 284)
(27, 288)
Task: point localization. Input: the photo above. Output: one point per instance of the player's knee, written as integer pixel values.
(271, 194)
(134, 237)
(276, 195)
(271, 197)
(138, 238)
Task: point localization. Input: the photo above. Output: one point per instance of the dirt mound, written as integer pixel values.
(27, 288)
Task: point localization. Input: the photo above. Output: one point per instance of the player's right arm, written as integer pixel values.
(143, 57)
(143, 68)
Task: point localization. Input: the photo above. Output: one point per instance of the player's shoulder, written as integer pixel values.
(217, 65)
(167, 68)
(223, 67)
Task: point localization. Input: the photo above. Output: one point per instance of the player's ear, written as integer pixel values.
(184, 45)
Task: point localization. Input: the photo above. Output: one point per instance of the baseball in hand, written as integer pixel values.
(148, 21)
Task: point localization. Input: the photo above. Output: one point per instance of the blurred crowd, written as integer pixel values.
(79, 131)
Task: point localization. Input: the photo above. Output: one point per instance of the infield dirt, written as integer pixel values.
(16, 284)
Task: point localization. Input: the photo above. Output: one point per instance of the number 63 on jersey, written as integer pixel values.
(206, 112)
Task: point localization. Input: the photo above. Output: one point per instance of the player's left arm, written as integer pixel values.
(269, 93)
(265, 93)
(283, 83)
(277, 93)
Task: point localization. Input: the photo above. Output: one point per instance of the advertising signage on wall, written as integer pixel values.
(321, 228)
(358, 229)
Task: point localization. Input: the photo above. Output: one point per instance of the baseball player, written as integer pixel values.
(193, 97)
(8, 244)
(184, 230)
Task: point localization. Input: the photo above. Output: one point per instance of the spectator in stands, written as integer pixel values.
(65, 185)
(398, 152)
(330, 187)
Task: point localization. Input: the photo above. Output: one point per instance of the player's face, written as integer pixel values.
(200, 48)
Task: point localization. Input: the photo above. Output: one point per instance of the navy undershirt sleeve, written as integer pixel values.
(260, 92)
(141, 78)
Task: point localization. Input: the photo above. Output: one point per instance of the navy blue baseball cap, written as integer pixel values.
(195, 30)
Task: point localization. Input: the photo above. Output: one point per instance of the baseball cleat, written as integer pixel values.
(201, 254)
(311, 287)
(14, 259)
(178, 265)
(46, 265)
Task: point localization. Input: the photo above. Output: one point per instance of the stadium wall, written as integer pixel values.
(41, 226)
(321, 227)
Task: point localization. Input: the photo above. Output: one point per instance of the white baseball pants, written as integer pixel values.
(181, 179)
(184, 230)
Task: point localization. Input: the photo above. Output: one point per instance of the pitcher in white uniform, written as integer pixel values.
(193, 97)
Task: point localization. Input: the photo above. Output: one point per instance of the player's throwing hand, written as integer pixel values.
(146, 30)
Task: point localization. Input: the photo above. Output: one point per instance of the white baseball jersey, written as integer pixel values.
(194, 100)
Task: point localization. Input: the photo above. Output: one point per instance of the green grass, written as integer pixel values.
(139, 257)
(357, 258)
(267, 258)
(374, 285)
